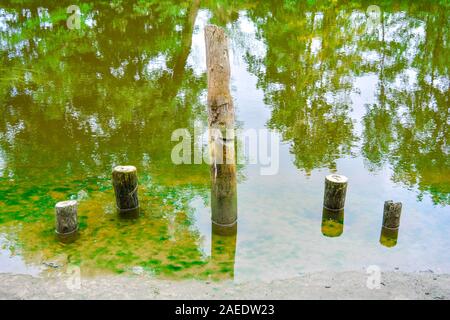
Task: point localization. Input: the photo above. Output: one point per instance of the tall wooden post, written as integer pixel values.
(66, 220)
(391, 223)
(221, 128)
(335, 192)
(125, 182)
(220, 103)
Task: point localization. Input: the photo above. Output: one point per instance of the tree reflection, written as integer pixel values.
(408, 126)
(306, 75)
(314, 54)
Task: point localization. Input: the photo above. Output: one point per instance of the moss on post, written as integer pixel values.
(125, 183)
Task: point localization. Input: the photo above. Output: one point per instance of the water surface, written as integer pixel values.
(371, 103)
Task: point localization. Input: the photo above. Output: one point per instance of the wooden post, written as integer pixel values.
(391, 223)
(221, 128)
(332, 223)
(66, 219)
(220, 103)
(125, 184)
(335, 191)
(391, 214)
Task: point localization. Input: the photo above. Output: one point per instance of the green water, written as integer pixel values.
(369, 103)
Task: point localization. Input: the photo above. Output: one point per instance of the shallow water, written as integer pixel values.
(367, 101)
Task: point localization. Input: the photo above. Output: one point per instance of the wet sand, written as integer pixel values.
(320, 285)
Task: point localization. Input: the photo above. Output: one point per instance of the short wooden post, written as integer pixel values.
(332, 223)
(221, 125)
(335, 191)
(391, 214)
(391, 223)
(66, 219)
(125, 182)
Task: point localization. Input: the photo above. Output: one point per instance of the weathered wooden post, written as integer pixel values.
(66, 220)
(391, 214)
(220, 103)
(335, 191)
(221, 128)
(125, 182)
(332, 223)
(391, 223)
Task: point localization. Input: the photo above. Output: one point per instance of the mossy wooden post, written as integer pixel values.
(391, 223)
(391, 214)
(66, 219)
(221, 127)
(335, 191)
(125, 182)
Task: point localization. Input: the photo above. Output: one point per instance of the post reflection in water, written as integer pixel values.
(223, 248)
(332, 223)
(388, 237)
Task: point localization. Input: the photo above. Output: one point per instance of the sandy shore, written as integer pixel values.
(342, 285)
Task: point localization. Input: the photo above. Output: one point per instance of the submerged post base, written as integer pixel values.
(67, 237)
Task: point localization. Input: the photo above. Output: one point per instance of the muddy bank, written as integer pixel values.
(343, 285)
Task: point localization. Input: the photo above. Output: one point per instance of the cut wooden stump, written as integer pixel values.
(125, 182)
(66, 220)
(391, 223)
(391, 214)
(335, 192)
